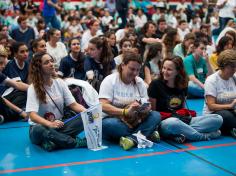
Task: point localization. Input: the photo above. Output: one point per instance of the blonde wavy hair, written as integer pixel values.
(226, 57)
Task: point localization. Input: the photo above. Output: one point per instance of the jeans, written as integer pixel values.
(64, 137)
(229, 118)
(195, 90)
(113, 128)
(123, 16)
(55, 23)
(195, 131)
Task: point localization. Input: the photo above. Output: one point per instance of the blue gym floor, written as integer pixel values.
(211, 158)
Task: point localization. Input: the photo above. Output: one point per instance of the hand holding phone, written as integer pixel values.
(144, 106)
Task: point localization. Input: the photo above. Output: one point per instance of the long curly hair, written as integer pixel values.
(181, 79)
(35, 76)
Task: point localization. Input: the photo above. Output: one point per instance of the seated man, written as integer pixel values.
(196, 68)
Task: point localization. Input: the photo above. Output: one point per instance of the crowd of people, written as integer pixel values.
(143, 59)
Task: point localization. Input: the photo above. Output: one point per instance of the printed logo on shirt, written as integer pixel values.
(49, 116)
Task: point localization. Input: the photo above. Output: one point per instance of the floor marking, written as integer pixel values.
(190, 146)
(114, 159)
(203, 159)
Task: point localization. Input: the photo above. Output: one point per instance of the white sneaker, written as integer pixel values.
(214, 134)
(1, 119)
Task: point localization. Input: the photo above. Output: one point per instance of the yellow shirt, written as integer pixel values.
(213, 61)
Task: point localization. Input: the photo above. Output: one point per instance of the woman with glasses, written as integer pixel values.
(73, 64)
(220, 91)
(196, 68)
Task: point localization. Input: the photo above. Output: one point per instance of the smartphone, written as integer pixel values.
(144, 106)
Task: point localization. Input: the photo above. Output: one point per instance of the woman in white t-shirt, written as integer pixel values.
(125, 45)
(54, 47)
(122, 95)
(47, 96)
(220, 91)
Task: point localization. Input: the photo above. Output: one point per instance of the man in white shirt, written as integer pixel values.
(226, 12)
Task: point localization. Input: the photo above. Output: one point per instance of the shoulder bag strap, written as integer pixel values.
(54, 102)
(234, 78)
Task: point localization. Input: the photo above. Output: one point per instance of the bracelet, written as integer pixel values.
(125, 112)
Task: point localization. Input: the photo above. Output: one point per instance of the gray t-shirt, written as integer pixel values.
(59, 92)
(223, 90)
(121, 94)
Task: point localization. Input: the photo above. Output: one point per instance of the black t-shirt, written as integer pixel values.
(160, 34)
(166, 98)
(71, 68)
(97, 68)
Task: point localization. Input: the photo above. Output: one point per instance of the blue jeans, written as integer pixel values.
(55, 23)
(113, 128)
(195, 90)
(195, 131)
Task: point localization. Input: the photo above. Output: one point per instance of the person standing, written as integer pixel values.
(122, 9)
(49, 13)
(226, 12)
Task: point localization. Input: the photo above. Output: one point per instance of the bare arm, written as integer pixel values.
(151, 40)
(222, 5)
(110, 109)
(148, 77)
(196, 81)
(77, 107)
(15, 108)
(55, 5)
(213, 106)
(40, 120)
(114, 111)
(16, 84)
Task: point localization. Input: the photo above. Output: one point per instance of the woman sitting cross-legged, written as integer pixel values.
(121, 95)
(46, 98)
(220, 91)
(168, 94)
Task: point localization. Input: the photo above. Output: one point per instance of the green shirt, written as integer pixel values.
(198, 69)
